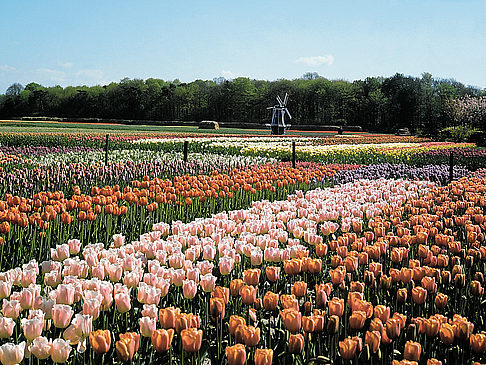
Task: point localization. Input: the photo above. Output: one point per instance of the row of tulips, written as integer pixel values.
(266, 260)
(29, 225)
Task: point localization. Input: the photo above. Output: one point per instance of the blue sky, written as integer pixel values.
(92, 42)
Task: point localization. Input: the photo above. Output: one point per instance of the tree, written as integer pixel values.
(15, 89)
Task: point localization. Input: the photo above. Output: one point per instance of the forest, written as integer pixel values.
(423, 104)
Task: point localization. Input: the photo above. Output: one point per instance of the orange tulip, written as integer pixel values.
(393, 328)
(292, 319)
(100, 341)
(216, 308)
(476, 288)
(236, 354)
(373, 340)
(293, 266)
(248, 294)
(308, 324)
(419, 295)
(191, 339)
(167, 316)
(251, 336)
(133, 336)
(235, 286)
(251, 276)
(273, 273)
(270, 301)
(441, 300)
(234, 323)
(263, 356)
(478, 342)
(299, 289)
(162, 339)
(446, 333)
(221, 292)
(337, 276)
(289, 301)
(357, 320)
(347, 348)
(321, 250)
(402, 295)
(431, 326)
(433, 361)
(412, 351)
(382, 312)
(336, 306)
(333, 324)
(296, 343)
(125, 349)
(314, 266)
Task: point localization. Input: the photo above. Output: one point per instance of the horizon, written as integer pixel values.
(87, 44)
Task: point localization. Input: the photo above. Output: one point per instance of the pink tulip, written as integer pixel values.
(74, 246)
(6, 327)
(226, 265)
(11, 308)
(65, 294)
(208, 282)
(5, 289)
(177, 277)
(131, 279)
(41, 348)
(32, 327)
(150, 310)
(60, 350)
(61, 315)
(11, 354)
(209, 252)
(52, 278)
(60, 253)
(70, 335)
(46, 306)
(122, 301)
(193, 274)
(114, 272)
(98, 272)
(189, 289)
(118, 240)
(92, 307)
(147, 326)
(27, 297)
(205, 267)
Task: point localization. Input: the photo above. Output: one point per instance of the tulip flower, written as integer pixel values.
(11, 354)
(336, 306)
(162, 339)
(216, 308)
(61, 315)
(373, 340)
(357, 320)
(296, 343)
(234, 323)
(248, 294)
(6, 327)
(100, 341)
(347, 348)
(60, 350)
(41, 348)
(446, 333)
(263, 357)
(191, 339)
(292, 319)
(412, 351)
(419, 295)
(167, 317)
(236, 354)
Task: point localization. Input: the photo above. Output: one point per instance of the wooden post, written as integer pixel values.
(293, 154)
(186, 145)
(451, 166)
(106, 150)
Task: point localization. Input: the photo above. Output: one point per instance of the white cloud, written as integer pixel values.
(316, 60)
(228, 74)
(52, 75)
(67, 64)
(7, 68)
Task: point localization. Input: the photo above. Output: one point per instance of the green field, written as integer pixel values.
(59, 127)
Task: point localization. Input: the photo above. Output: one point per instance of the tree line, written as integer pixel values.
(421, 104)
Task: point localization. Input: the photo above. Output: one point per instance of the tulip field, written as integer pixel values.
(363, 251)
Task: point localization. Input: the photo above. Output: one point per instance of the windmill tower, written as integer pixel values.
(278, 125)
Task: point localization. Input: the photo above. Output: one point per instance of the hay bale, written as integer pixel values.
(208, 124)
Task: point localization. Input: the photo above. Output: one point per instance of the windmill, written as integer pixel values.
(278, 125)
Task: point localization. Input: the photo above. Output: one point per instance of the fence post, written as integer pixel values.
(186, 145)
(451, 166)
(106, 150)
(293, 154)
